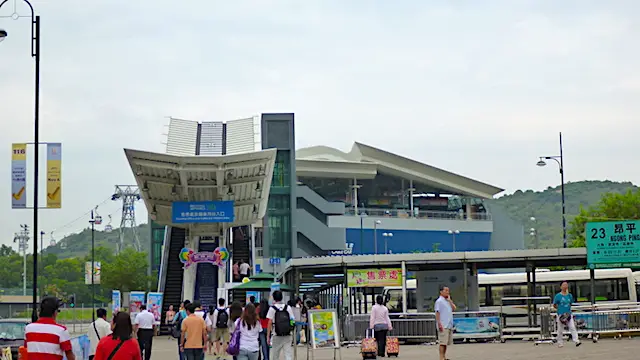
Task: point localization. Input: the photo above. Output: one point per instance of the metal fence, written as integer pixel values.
(594, 324)
(414, 326)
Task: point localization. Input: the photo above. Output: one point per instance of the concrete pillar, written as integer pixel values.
(189, 282)
(468, 210)
(222, 271)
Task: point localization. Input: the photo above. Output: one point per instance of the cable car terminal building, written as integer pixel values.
(292, 205)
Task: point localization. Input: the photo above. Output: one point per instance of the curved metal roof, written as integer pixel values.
(243, 178)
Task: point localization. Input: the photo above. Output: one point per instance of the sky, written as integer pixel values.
(479, 88)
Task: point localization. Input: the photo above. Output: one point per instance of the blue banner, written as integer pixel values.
(202, 212)
(477, 326)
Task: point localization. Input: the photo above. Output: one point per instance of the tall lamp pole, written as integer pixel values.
(559, 160)
(375, 236)
(453, 234)
(35, 53)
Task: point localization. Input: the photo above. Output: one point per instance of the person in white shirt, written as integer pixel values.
(278, 315)
(250, 329)
(244, 270)
(144, 328)
(97, 330)
(220, 326)
(444, 309)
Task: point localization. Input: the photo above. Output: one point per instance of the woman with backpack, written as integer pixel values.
(250, 329)
(120, 345)
(235, 312)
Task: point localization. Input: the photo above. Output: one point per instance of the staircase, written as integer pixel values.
(174, 275)
(206, 279)
(241, 251)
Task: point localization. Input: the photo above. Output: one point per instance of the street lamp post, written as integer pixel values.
(533, 232)
(35, 53)
(386, 236)
(559, 160)
(453, 234)
(375, 236)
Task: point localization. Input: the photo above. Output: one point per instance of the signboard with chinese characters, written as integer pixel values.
(184, 212)
(374, 277)
(613, 244)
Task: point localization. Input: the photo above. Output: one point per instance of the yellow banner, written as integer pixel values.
(18, 176)
(54, 175)
(374, 277)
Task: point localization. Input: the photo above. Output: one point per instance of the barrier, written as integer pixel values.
(476, 325)
(414, 326)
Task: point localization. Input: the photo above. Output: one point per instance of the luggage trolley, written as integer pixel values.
(547, 327)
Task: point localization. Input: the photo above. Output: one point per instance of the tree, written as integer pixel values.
(612, 206)
(6, 250)
(127, 271)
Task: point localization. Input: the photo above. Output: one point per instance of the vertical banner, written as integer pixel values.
(96, 272)
(18, 176)
(116, 301)
(54, 175)
(154, 305)
(136, 299)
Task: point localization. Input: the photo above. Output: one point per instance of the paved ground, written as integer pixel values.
(164, 349)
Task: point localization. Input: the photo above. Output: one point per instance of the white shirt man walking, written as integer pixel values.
(97, 330)
(444, 309)
(144, 328)
(281, 321)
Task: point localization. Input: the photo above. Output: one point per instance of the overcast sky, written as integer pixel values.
(480, 88)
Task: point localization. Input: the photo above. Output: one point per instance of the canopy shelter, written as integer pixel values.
(263, 276)
(242, 178)
(261, 285)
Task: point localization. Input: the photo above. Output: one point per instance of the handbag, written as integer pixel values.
(234, 343)
(564, 318)
(176, 331)
(115, 350)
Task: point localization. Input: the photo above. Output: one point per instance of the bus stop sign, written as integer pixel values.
(613, 244)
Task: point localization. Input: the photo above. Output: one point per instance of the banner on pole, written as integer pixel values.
(116, 301)
(96, 272)
(19, 176)
(54, 175)
(154, 305)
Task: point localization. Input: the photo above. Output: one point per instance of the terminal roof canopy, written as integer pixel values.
(243, 178)
(365, 162)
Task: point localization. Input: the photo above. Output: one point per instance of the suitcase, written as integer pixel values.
(369, 346)
(393, 347)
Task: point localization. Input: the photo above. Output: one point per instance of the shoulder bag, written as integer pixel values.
(115, 350)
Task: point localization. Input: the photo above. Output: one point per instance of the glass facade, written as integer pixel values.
(279, 207)
(157, 240)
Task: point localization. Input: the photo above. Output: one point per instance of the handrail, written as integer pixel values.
(422, 214)
(164, 261)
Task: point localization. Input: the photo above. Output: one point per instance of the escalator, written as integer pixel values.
(206, 277)
(174, 274)
(241, 251)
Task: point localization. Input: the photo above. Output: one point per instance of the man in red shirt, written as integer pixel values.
(45, 339)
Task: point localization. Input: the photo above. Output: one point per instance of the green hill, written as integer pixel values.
(79, 244)
(546, 207)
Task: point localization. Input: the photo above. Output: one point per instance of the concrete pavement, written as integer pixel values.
(164, 349)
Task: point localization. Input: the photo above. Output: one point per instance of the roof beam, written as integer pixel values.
(249, 202)
(220, 175)
(248, 179)
(184, 185)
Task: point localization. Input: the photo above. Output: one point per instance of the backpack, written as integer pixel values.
(222, 322)
(176, 330)
(282, 321)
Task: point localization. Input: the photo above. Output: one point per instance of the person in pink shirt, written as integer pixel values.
(380, 322)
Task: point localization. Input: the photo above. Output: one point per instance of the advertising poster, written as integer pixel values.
(116, 301)
(54, 175)
(136, 299)
(476, 327)
(374, 277)
(19, 176)
(590, 321)
(154, 305)
(96, 272)
(324, 329)
(255, 294)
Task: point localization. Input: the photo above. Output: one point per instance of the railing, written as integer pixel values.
(422, 214)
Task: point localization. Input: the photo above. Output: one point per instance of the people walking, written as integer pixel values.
(168, 318)
(244, 269)
(144, 322)
(235, 312)
(177, 326)
(444, 309)
(193, 335)
(221, 333)
(263, 309)
(119, 345)
(281, 321)
(250, 329)
(98, 330)
(45, 338)
(562, 302)
(380, 322)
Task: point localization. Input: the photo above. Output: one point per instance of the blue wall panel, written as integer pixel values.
(407, 241)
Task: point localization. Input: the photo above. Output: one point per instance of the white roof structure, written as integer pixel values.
(365, 162)
(243, 178)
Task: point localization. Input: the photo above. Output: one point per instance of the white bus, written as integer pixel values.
(611, 285)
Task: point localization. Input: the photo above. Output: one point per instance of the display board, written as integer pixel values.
(324, 328)
(613, 244)
(374, 277)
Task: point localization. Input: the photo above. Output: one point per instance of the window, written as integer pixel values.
(395, 300)
(281, 169)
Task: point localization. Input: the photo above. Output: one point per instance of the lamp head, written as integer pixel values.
(3, 34)
(541, 162)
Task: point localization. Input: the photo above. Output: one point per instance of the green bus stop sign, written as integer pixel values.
(613, 244)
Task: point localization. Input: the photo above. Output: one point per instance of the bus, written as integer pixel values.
(611, 285)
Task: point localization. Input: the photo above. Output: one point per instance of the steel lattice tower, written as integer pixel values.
(129, 194)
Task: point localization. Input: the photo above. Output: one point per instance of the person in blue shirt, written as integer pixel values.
(562, 303)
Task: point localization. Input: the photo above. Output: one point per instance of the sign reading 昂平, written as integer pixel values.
(184, 212)
(613, 244)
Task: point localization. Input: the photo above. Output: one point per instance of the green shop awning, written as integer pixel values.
(262, 276)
